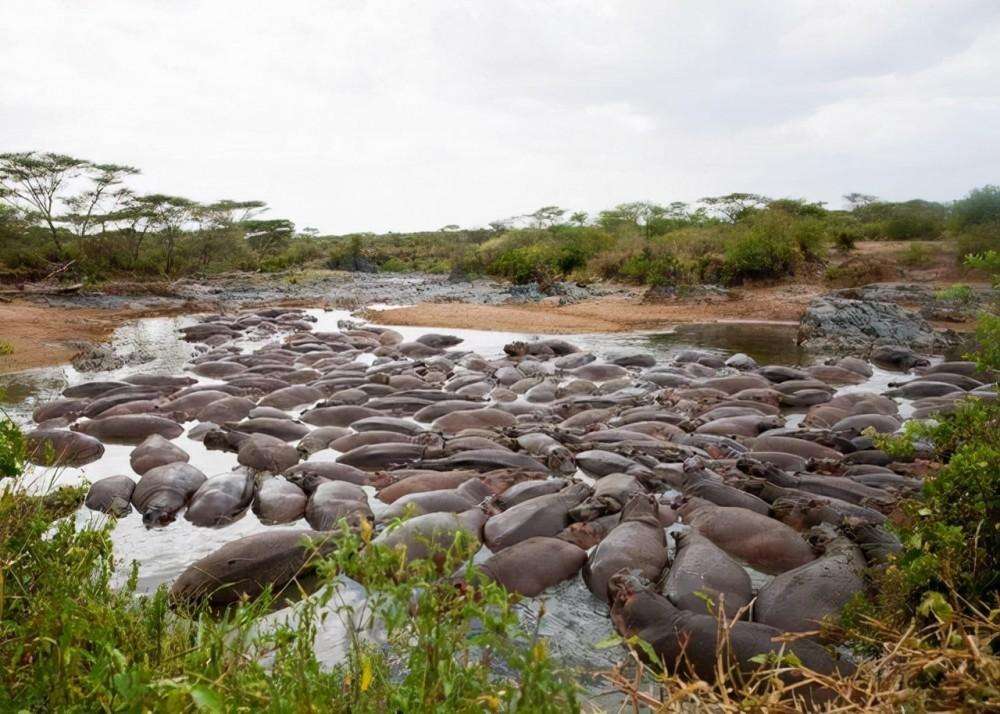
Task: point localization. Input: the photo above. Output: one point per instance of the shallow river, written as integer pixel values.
(573, 618)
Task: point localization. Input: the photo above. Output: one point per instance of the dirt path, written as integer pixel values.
(608, 314)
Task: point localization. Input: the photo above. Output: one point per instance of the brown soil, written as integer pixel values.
(611, 314)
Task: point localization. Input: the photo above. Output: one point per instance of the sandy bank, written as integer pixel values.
(608, 314)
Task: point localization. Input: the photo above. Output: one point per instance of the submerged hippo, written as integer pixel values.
(761, 542)
(246, 567)
(532, 566)
(261, 452)
(279, 501)
(687, 642)
(703, 578)
(611, 493)
(155, 451)
(800, 599)
(541, 516)
(60, 447)
(112, 495)
(129, 428)
(165, 490)
(310, 474)
(432, 535)
(421, 481)
(454, 500)
(336, 501)
(636, 543)
(221, 500)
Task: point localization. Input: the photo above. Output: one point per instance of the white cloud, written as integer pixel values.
(392, 115)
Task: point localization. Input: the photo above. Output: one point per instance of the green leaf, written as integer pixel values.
(206, 698)
(609, 642)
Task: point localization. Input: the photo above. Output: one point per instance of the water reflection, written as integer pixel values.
(768, 343)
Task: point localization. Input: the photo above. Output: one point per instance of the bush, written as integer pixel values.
(980, 207)
(765, 251)
(978, 239)
(916, 255)
(860, 270)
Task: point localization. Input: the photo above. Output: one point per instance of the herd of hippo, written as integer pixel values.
(558, 462)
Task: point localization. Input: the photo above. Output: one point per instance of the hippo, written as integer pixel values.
(437, 341)
(261, 452)
(526, 490)
(540, 516)
(129, 429)
(165, 490)
(111, 495)
(90, 390)
(800, 599)
(160, 381)
(283, 429)
(279, 501)
(923, 388)
(557, 457)
(432, 535)
(375, 457)
(310, 474)
(246, 567)
(802, 510)
(597, 463)
(855, 425)
(454, 500)
(226, 410)
(611, 493)
(484, 460)
(291, 397)
(218, 370)
(587, 534)
(878, 544)
(366, 438)
(637, 542)
(798, 447)
(439, 409)
(334, 501)
(454, 422)
(688, 642)
(61, 447)
(897, 357)
(832, 487)
(534, 565)
(836, 374)
(424, 481)
(155, 451)
(68, 409)
(757, 540)
(788, 462)
(221, 500)
(596, 372)
(741, 425)
(697, 484)
(188, 407)
(320, 439)
(702, 578)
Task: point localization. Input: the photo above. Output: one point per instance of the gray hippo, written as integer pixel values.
(261, 452)
(334, 501)
(129, 428)
(221, 500)
(155, 451)
(637, 542)
(703, 578)
(800, 599)
(540, 516)
(246, 567)
(61, 447)
(455, 500)
(432, 535)
(165, 490)
(611, 493)
(279, 501)
(687, 642)
(421, 481)
(527, 490)
(532, 566)
(761, 542)
(310, 474)
(112, 495)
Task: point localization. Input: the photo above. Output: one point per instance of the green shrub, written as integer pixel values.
(916, 255)
(980, 207)
(860, 270)
(810, 238)
(765, 251)
(978, 239)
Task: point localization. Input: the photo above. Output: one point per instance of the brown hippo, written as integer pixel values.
(376, 457)
(534, 565)
(703, 578)
(432, 534)
(452, 500)
(61, 447)
(284, 429)
(526, 490)
(611, 493)
(454, 422)
(246, 567)
(129, 428)
(155, 451)
(165, 490)
(422, 481)
(587, 534)
(800, 599)
(761, 542)
(226, 410)
(291, 397)
(485, 460)
(60, 409)
(687, 642)
(279, 501)
(261, 452)
(221, 500)
(112, 495)
(333, 501)
(310, 474)
(337, 415)
(541, 516)
(792, 445)
(320, 439)
(637, 542)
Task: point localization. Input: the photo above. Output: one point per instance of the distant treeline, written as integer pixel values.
(55, 209)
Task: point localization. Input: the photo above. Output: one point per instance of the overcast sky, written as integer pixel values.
(381, 116)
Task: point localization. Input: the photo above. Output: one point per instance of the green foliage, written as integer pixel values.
(6, 348)
(765, 251)
(962, 295)
(978, 239)
(980, 207)
(916, 255)
(911, 220)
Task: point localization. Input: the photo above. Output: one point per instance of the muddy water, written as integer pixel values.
(573, 619)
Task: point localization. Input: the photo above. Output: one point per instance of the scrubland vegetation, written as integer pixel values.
(55, 209)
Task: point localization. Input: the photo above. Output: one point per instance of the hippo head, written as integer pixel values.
(588, 510)
(156, 517)
(584, 534)
(822, 535)
(642, 507)
(790, 511)
(623, 587)
(431, 439)
(560, 460)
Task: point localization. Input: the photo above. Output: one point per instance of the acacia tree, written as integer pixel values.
(546, 216)
(579, 218)
(167, 216)
(32, 182)
(734, 206)
(104, 196)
